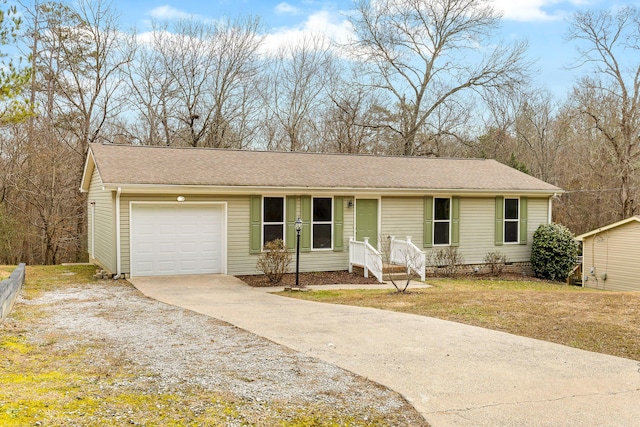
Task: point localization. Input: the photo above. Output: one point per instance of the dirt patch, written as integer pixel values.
(308, 279)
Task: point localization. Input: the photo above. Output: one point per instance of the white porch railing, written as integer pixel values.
(404, 252)
(364, 255)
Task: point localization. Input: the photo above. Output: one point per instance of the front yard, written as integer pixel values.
(603, 322)
(80, 352)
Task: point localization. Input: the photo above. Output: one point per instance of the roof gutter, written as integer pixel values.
(246, 190)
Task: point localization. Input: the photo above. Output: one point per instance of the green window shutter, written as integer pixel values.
(427, 227)
(291, 222)
(255, 220)
(499, 239)
(338, 224)
(523, 220)
(455, 221)
(305, 216)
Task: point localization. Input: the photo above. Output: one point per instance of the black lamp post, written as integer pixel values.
(298, 229)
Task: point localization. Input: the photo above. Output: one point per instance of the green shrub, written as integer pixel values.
(554, 252)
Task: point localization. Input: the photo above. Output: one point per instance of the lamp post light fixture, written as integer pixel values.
(298, 225)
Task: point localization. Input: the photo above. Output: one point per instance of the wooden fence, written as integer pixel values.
(9, 289)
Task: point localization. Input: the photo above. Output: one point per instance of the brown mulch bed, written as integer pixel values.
(344, 277)
(307, 279)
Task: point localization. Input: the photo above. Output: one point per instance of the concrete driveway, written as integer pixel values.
(454, 374)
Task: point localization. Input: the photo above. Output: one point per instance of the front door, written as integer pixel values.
(367, 220)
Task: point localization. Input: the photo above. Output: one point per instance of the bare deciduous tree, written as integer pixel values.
(294, 93)
(609, 43)
(350, 121)
(41, 197)
(194, 83)
(406, 259)
(540, 133)
(77, 61)
(427, 53)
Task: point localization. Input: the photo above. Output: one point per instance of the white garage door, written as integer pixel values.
(177, 239)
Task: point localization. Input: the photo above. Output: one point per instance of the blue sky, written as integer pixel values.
(542, 22)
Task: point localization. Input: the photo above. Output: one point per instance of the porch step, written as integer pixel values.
(397, 272)
(394, 268)
(395, 276)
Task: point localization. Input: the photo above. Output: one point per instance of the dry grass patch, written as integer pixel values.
(80, 352)
(43, 278)
(604, 322)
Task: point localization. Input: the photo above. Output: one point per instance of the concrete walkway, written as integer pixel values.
(454, 374)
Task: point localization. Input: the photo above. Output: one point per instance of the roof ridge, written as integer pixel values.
(239, 150)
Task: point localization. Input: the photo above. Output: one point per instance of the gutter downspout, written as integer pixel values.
(550, 211)
(118, 256)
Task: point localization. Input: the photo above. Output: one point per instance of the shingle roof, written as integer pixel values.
(136, 165)
(635, 218)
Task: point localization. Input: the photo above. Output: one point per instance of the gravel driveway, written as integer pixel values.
(181, 348)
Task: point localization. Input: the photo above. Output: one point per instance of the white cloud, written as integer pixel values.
(168, 13)
(287, 9)
(171, 14)
(335, 27)
(536, 10)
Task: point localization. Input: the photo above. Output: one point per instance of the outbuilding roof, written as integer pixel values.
(609, 227)
(135, 166)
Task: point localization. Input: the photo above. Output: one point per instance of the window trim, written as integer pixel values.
(284, 218)
(331, 222)
(434, 221)
(505, 220)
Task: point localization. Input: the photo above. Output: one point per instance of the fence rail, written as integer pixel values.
(366, 256)
(404, 252)
(9, 289)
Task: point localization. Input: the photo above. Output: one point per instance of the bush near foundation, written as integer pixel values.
(274, 260)
(553, 252)
(496, 261)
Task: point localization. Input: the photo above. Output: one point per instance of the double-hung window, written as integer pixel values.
(272, 219)
(322, 222)
(511, 220)
(441, 221)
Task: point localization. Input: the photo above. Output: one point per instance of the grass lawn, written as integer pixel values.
(603, 322)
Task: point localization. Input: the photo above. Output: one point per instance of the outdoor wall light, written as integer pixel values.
(350, 204)
(181, 198)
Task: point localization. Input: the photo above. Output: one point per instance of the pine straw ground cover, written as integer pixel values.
(599, 321)
(80, 352)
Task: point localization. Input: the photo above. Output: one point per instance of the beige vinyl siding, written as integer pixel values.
(612, 252)
(402, 217)
(239, 260)
(104, 224)
(324, 259)
(477, 222)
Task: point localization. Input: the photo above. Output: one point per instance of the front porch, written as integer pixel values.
(396, 256)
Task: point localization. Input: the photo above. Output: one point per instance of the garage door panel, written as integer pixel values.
(169, 240)
(188, 248)
(167, 248)
(144, 248)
